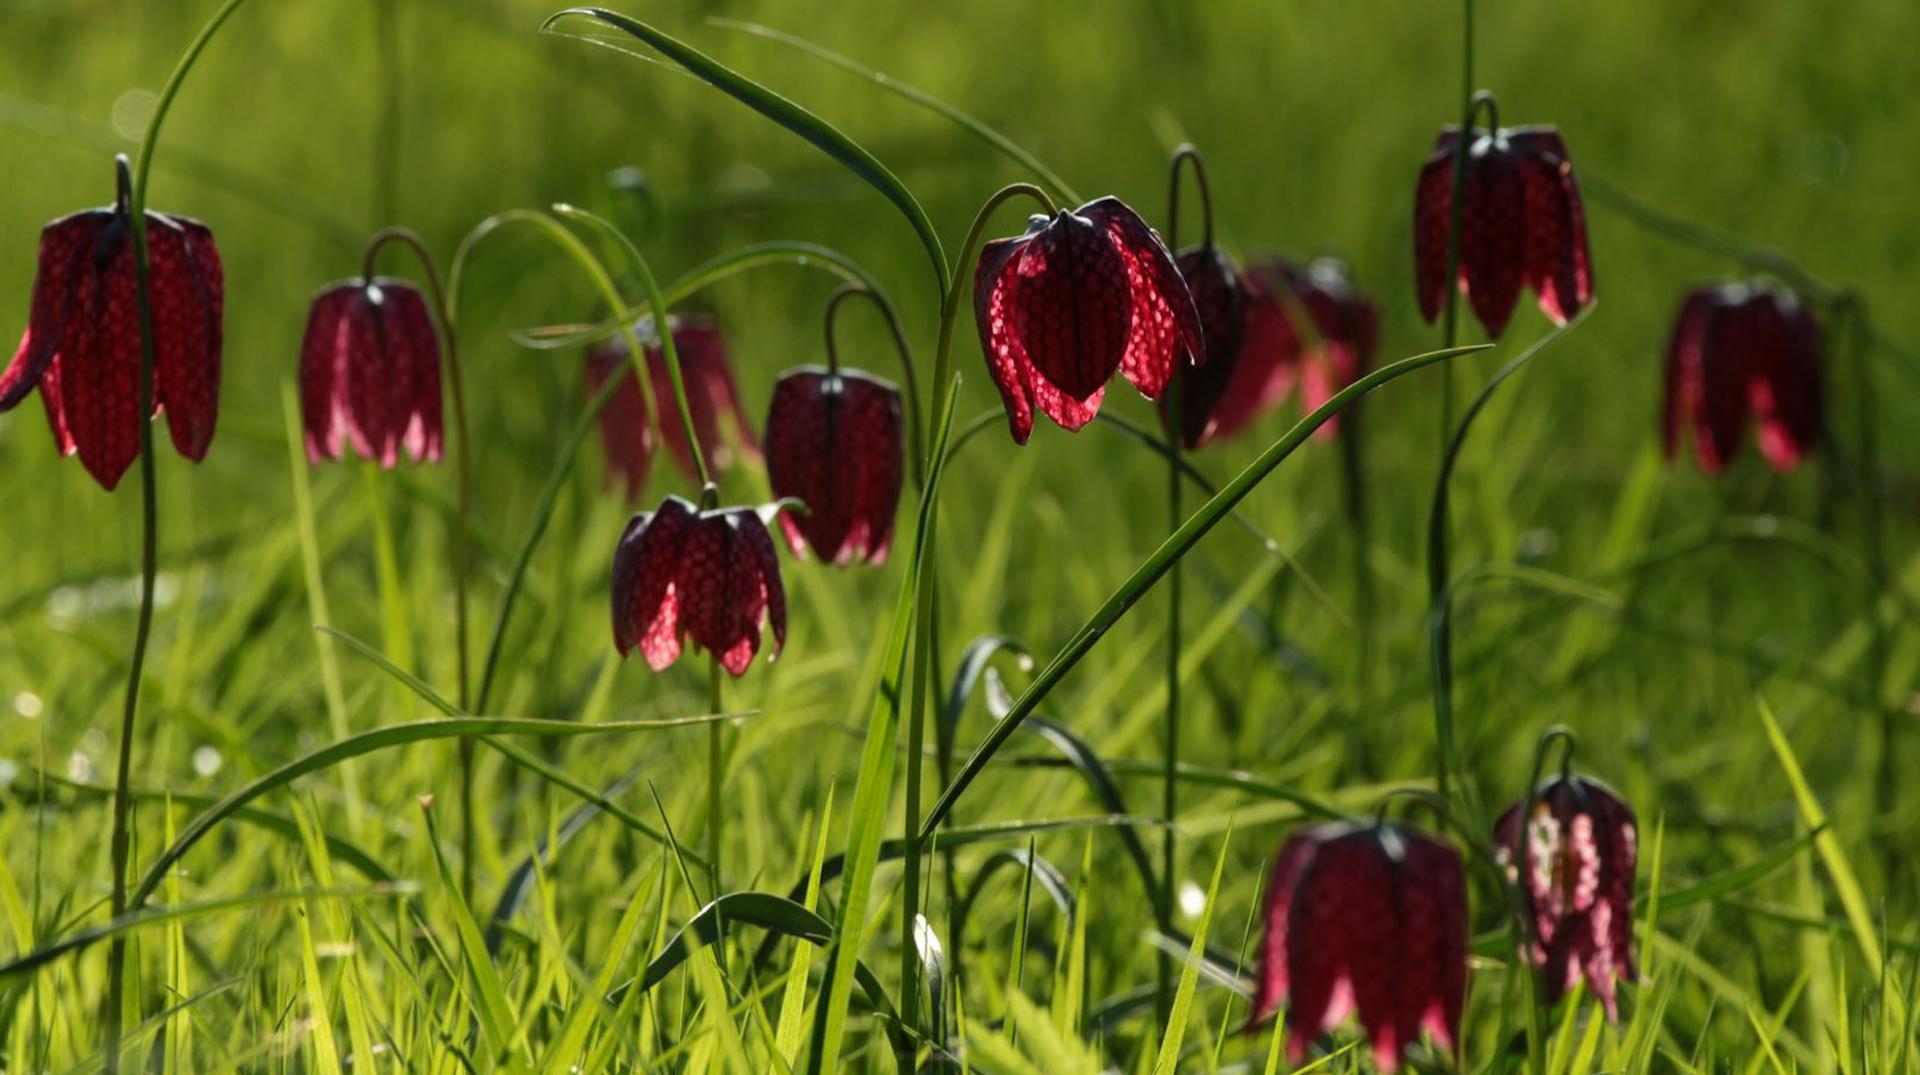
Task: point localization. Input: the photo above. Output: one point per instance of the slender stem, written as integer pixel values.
(149, 556)
(960, 278)
(462, 532)
(1188, 154)
(1170, 785)
(133, 198)
(1353, 477)
(1437, 554)
(715, 774)
(1853, 310)
(915, 449)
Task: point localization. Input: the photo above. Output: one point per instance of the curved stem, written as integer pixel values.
(1170, 760)
(716, 770)
(1187, 153)
(1455, 214)
(915, 450)
(462, 542)
(960, 278)
(589, 265)
(133, 185)
(662, 329)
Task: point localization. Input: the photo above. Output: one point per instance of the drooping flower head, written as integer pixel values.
(834, 444)
(1741, 349)
(1220, 297)
(370, 373)
(1366, 919)
(1083, 293)
(82, 344)
(1575, 878)
(1521, 225)
(711, 576)
(627, 431)
(1333, 350)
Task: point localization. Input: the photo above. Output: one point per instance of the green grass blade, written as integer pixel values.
(1176, 545)
(821, 134)
(1175, 1031)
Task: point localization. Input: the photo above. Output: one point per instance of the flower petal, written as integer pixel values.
(100, 362)
(188, 289)
(1493, 231)
(1165, 331)
(322, 350)
(1073, 307)
(1432, 216)
(626, 428)
(994, 282)
(68, 249)
(834, 443)
(1221, 300)
(649, 582)
(1282, 881)
(1558, 263)
(1786, 391)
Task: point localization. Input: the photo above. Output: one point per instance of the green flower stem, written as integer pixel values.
(943, 387)
(114, 1017)
(462, 543)
(916, 452)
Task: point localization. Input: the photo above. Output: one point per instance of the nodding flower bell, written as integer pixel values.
(1220, 296)
(1083, 293)
(370, 373)
(1740, 349)
(1369, 919)
(626, 429)
(834, 444)
(1521, 224)
(82, 343)
(1575, 879)
(710, 575)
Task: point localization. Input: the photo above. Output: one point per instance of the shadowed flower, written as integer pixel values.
(1521, 225)
(370, 373)
(1742, 348)
(711, 576)
(82, 343)
(1220, 297)
(833, 443)
(1576, 884)
(1369, 919)
(1083, 293)
(627, 431)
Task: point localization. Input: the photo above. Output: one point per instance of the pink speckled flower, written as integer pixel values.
(711, 576)
(1367, 919)
(370, 373)
(834, 444)
(1576, 882)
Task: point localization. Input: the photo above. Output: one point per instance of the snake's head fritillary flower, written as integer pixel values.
(1743, 349)
(370, 373)
(1573, 861)
(1220, 298)
(626, 430)
(82, 343)
(711, 576)
(1521, 225)
(1329, 353)
(1083, 293)
(1366, 919)
(834, 444)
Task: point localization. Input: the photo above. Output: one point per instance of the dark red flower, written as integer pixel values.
(1083, 293)
(1345, 327)
(1369, 919)
(1522, 224)
(833, 443)
(1220, 297)
(370, 373)
(712, 576)
(625, 429)
(82, 344)
(1576, 884)
(1743, 348)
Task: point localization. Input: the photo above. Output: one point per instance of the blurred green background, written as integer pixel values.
(309, 125)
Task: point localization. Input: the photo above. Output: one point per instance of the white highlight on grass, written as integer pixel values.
(28, 705)
(207, 761)
(1193, 899)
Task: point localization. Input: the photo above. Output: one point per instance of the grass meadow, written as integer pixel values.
(1735, 653)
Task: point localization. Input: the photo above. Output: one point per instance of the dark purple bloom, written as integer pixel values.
(1369, 919)
(370, 373)
(1344, 326)
(1521, 225)
(833, 443)
(626, 429)
(1083, 293)
(1576, 884)
(712, 576)
(1220, 297)
(1743, 349)
(82, 343)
